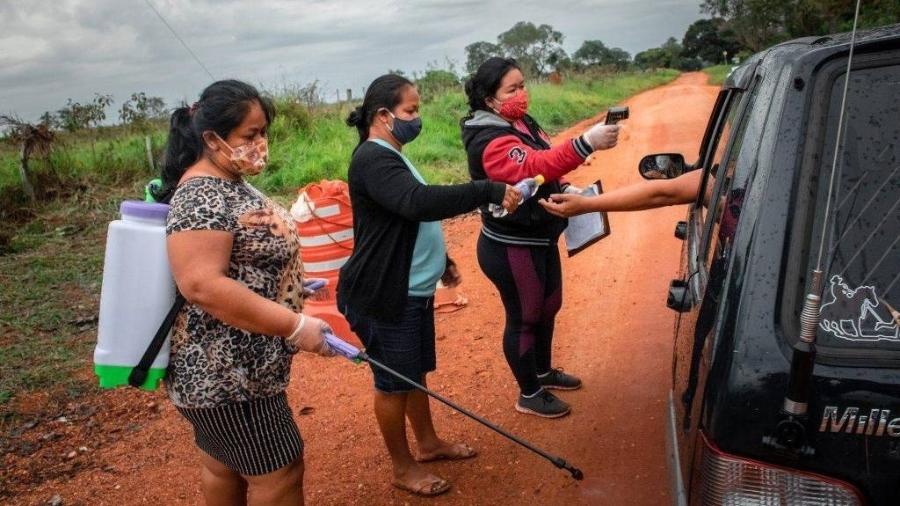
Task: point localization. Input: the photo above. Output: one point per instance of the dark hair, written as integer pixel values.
(485, 82)
(223, 105)
(385, 92)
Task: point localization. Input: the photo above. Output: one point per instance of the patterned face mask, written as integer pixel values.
(515, 106)
(247, 159)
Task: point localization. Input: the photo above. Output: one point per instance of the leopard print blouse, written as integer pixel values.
(212, 363)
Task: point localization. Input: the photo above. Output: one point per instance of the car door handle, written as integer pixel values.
(679, 298)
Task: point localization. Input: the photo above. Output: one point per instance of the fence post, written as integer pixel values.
(23, 173)
(149, 145)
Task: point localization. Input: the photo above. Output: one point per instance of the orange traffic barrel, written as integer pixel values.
(324, 219)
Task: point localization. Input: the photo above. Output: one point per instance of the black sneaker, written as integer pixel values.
(558, 380)
(543, 404)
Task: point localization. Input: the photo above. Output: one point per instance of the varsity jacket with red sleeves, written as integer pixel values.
(499, 151)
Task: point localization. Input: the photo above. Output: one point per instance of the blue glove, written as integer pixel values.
(313, 285)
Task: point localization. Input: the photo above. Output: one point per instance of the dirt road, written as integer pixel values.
(614, 331)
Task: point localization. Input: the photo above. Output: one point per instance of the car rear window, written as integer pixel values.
(862, 251)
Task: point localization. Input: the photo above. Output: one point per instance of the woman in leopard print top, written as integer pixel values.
(235, 257)
(213, 363)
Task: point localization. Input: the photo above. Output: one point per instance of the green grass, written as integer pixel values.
(319, 147)
(323, 150)
(50, 274)
(718, 73)
(49, 292)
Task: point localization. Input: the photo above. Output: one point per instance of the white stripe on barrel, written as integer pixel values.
(326, 239)
(328, 265)
(327, 211)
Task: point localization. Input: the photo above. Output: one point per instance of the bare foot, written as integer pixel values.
(418, 480)
(447, 451)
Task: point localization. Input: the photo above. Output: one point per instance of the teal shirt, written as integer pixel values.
(430, 252)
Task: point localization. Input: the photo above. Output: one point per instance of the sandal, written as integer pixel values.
(458, 451)
(429, 486)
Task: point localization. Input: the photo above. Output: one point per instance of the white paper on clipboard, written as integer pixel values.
(586, 229)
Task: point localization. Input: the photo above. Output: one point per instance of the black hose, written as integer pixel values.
(557, 461)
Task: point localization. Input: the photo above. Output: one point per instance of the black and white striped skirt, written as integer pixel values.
(251, 438)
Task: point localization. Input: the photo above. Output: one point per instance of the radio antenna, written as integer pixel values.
(790, 433)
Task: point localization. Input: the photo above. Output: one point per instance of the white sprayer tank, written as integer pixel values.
(137, 293)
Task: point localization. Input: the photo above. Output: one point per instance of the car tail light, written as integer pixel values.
(728, 480)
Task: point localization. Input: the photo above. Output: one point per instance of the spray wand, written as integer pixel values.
(351, 352)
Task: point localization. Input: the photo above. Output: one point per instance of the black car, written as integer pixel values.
(751, 241)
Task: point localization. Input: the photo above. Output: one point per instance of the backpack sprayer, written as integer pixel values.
(351, 352)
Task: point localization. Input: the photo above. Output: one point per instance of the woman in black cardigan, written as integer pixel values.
(386, 288)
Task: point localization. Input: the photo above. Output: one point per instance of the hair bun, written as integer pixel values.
(355, 117)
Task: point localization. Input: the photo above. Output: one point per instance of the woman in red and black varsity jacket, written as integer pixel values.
(518, 252)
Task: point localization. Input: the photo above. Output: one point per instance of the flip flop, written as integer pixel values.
(428, 486)
(458, 451)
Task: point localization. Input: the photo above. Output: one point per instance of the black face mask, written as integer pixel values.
(405, 130)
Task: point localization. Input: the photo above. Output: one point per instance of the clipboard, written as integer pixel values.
(587, 229)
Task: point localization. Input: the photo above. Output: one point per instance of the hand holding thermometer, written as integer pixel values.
(616, 114)
(351, 352)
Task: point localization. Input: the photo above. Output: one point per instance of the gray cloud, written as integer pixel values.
(53, 50)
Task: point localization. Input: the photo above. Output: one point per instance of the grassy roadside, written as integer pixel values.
(50, 294)
(718, 73)
(50, 277)
(311, 145)
(322, 151)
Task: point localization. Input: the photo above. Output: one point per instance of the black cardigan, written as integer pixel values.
(388, 204)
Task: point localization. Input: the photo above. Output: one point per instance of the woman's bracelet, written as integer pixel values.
(298, 328)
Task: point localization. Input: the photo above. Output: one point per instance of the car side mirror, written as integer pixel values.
(662, 166)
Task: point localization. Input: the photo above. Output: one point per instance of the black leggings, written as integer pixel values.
(529, 279)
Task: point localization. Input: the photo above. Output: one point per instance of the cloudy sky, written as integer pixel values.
(51, 50)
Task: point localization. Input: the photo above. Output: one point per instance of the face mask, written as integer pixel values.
(515, 106)
(247, 159)
(405, 130)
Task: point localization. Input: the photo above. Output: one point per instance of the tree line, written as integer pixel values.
(735, 30)
(138, 111)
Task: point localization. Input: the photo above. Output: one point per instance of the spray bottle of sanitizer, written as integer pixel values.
(527, 187)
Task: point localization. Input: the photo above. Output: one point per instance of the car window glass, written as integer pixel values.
(721, 144)
(861, 293)
(723, 207)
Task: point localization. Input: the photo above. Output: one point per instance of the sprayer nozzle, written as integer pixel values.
(562, 464)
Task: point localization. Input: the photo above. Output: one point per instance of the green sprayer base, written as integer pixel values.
(112, 376)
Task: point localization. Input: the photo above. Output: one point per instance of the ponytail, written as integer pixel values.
(223, 105)
(356, 119)
(183, 149)
(385, 92)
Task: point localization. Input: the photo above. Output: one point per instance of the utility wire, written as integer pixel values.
(183, 43)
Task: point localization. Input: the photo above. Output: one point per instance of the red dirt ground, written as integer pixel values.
(126, 447)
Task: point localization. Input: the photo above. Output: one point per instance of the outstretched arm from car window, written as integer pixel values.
(637, 197)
